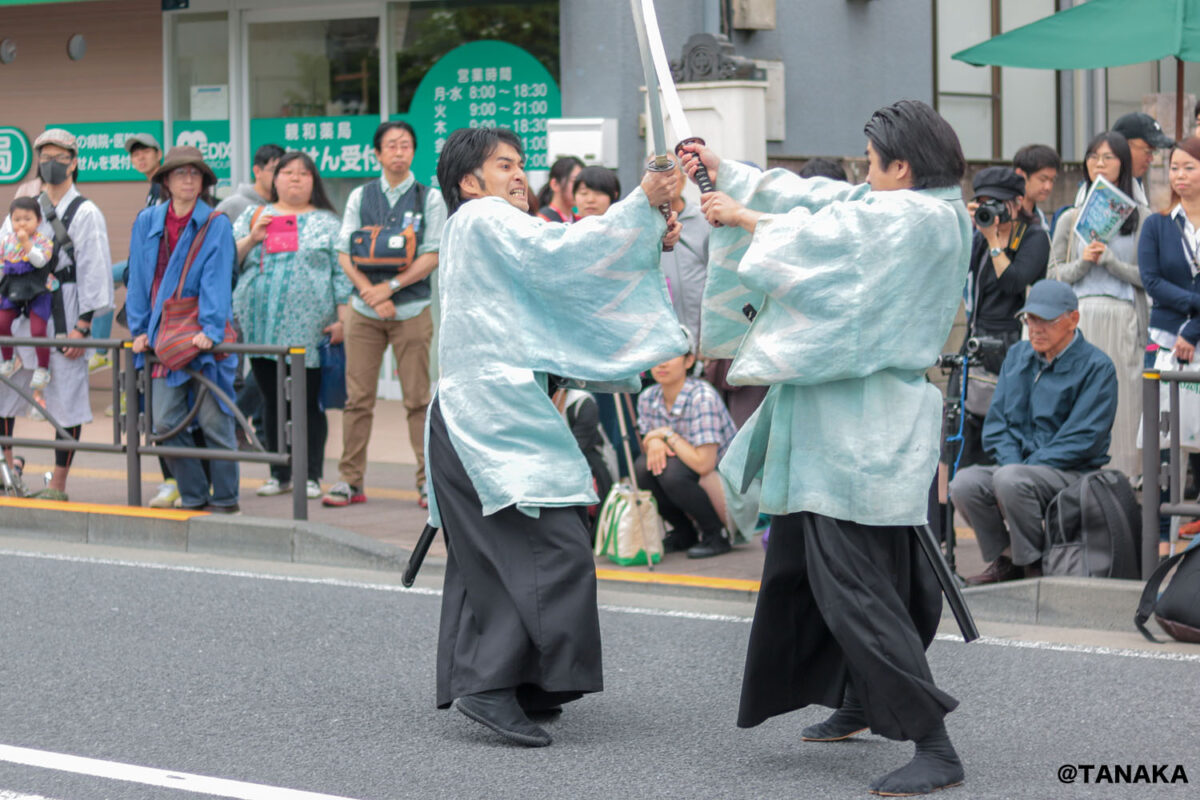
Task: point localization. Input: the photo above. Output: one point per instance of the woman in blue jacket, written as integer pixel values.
(1168, 253)
(162, 236)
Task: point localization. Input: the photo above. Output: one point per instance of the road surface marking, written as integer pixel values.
(179, 781)
(7, 795)
(650, 612)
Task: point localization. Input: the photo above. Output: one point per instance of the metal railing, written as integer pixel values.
(1156, 475)
(133, 430)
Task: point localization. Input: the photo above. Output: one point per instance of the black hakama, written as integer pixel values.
(841, 601)
(519, 598)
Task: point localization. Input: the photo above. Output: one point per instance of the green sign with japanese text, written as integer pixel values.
(102, 155)
(16, 155)
(341, 147)
(485, 84)
(211, 137)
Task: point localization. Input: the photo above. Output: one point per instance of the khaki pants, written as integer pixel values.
(366, 341)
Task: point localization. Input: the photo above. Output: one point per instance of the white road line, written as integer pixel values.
(179, 781)
(7, 795)
(651, 612)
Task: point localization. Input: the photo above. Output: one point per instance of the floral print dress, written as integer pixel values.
(289, 298)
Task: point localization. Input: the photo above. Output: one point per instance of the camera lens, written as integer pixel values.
(984, 216)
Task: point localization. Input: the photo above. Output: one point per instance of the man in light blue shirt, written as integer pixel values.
(388, 308)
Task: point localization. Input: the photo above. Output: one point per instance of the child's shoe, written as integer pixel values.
(41, 377)
(7, 368)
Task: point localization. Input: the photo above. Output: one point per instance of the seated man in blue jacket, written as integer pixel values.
(1050, 421)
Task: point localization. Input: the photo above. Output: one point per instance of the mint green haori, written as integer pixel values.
(522, 299)
(289, 298)
(856, 291)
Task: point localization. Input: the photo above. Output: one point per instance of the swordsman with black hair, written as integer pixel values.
(855, 289)
(524, 300)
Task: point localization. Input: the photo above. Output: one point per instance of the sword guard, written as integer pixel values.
(702, 178)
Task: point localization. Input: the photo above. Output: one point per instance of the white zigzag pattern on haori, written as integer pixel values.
(770, 345)
(632, 279)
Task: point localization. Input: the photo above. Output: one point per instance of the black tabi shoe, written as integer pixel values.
(935, 766)
(499, 710)
(536, 702)
(848, 721)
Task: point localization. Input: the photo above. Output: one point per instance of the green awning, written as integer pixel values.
(1096, 34)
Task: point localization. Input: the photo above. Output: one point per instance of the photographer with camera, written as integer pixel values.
(1009, 254)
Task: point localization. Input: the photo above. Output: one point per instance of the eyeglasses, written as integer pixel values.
(1144, 148)
(187, 172)
(1101, 159)
(1037, 322)
(64, 160)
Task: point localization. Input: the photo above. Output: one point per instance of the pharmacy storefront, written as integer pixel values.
(228, 76)
(320, 77)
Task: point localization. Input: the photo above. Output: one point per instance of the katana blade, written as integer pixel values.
(662, 69)
(658, 135)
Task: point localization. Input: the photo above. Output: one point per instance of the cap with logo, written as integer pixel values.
(1145, 127)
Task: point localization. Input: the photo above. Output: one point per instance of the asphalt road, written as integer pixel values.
(312, 684)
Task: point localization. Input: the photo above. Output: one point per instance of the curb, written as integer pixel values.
(1106, 604)
(299, 542)
(1094, 603)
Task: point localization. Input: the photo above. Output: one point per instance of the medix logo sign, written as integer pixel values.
(213, 151)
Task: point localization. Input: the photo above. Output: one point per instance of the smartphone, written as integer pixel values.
(283, 236)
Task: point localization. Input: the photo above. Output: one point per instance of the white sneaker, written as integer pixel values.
(41, 378)
(167, 494)
(273, 487)
(7, 368)
(313, 489)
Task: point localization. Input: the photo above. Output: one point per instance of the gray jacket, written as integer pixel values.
(245, 197)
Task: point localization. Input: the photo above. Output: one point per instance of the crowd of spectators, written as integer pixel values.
(277, 260)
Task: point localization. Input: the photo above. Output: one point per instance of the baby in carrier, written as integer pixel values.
(26, 285)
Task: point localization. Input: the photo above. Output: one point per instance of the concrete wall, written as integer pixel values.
(842, 59)
(119, 78)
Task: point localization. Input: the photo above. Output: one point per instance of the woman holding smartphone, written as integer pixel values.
(292, 292)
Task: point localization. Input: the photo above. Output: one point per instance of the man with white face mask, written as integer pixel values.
(83, 269)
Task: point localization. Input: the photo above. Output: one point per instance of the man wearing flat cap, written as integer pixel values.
(1009, 252)
(145, 154)
(83, 272)
(1050, 421)
(1144, 135)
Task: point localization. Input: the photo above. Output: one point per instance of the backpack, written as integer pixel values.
(1178, 609)
(1094, 528)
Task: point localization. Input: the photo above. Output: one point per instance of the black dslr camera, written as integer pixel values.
(987, 352)
(991, 211)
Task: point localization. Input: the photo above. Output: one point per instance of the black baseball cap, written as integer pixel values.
(1145, 127)
(1002, 183)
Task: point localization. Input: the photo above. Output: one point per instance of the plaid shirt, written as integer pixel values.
(698, 415)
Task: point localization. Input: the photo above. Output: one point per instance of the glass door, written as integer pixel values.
(313, 83)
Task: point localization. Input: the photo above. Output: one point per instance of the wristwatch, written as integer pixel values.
(84, 331)
(394, 284)
(996, 251)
